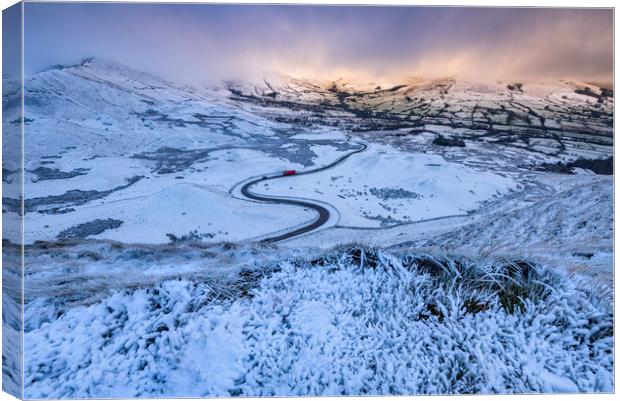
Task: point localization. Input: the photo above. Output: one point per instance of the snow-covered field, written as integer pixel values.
(383, 187)
(193, 201)
(468, 245)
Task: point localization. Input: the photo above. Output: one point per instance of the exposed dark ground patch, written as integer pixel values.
(173, 160)
(394, 193)
(84, 230)
(74, 197)
(598, 166)
(446, 141)
(170, 160)
(47, 173)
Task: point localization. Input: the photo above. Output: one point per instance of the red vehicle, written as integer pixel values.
(289, 172)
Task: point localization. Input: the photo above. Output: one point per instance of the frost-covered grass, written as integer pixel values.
(569, 225)
(349, 321)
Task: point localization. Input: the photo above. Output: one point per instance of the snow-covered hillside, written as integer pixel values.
(401, 214)
(104, 142)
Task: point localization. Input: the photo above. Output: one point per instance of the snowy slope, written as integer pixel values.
(153, 133)
(144, 277)
(344, 323)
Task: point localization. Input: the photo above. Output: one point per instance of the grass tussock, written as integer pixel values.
(512, 283)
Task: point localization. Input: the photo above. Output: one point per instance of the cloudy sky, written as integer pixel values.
(207, 43)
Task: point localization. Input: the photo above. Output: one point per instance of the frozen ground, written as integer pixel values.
(468, 247)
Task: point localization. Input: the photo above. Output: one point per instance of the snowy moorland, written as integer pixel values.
(433, 237)
(348, 321)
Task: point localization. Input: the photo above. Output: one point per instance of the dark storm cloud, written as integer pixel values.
(211, 42)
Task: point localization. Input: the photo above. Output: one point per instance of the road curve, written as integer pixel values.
(322, 211)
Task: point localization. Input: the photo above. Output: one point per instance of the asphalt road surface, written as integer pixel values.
(322, 211)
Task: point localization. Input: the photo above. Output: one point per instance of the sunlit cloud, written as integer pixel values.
(209, 43)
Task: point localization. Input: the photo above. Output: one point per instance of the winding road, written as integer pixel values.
(322, 211)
